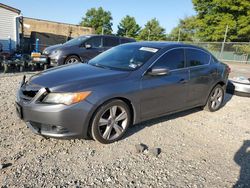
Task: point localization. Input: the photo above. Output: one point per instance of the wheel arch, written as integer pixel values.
(221, 83)
(124, 99)
(71, 55)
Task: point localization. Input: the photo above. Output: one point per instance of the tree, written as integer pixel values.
(98, 19)
(213, 16)
(186, 30)
(152, 31)
(128, 27)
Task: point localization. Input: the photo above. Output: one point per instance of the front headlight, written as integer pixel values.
(66, 98)
(45, 52)
(55, 54)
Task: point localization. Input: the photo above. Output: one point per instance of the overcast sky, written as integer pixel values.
(168, 12)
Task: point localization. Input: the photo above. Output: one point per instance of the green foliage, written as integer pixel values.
(245, 49)
(98, 19)
(128, 27)
(187, 28)
(152, 31)
(214, 15)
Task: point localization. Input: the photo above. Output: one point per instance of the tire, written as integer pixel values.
(72, 59)
(110, 122)
(215, 99)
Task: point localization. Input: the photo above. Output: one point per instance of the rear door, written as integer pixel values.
(201, 75)
(164, 94)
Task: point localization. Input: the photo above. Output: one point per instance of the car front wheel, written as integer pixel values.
(110, 122)
(72, 59)
(215, 99)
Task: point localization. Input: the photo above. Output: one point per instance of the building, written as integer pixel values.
(24, 31)
(49, 32)
(57, 28)
(9, 27)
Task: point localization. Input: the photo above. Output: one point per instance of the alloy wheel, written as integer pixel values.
(113, 122)
(216, 98)
(72, 60)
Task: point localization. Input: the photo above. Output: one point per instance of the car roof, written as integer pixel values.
(94, 35)
(161, 45)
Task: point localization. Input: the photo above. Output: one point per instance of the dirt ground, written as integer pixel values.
(198, 149)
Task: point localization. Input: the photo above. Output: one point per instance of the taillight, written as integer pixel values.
(228, 69)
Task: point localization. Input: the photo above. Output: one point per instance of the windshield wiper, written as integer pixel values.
(99, 65)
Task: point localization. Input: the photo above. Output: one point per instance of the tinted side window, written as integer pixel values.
(196, 57)
(110, 41)
(214, 60)
(172, 60)
(95, 42)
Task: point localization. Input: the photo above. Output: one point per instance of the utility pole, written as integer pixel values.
(179, 35)
(102, 30)
(223, 44)
(149, 34)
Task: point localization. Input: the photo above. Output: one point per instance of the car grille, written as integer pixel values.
(40, 127)
(28, 92)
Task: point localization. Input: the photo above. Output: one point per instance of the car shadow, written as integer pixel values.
(138, 127)
(227, 98)
(242, 158)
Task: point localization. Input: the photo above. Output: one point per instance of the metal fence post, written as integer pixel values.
(37, 45)
(223, 44)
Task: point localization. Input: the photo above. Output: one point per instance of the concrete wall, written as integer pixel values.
(37, 25)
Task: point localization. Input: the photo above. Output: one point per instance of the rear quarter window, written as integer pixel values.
(197, 57)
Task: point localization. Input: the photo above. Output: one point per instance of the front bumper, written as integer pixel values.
(54, 120)
(241, 89)
(56, 62)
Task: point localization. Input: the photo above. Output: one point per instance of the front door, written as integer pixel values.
(167, 93)
(96, 48)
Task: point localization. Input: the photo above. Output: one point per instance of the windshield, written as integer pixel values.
(124, 57)
(76, 41)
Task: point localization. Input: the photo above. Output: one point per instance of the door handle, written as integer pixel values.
(183, 81)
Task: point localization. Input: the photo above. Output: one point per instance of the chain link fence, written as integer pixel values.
(229, 51)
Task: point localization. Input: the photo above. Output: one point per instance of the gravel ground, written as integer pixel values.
(239, 69)
(198, 149)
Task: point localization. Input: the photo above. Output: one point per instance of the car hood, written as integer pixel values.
(48, 50)
(70, 78)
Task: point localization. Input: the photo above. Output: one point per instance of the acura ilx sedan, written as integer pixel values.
(125, 85)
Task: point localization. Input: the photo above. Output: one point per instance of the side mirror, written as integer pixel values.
(158, 71)
(88, 46)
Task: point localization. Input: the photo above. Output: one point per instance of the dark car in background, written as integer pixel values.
(82, 49)
(125, 85)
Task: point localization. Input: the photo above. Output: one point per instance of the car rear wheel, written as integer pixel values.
(110, 122)
(215, 99)
(72, 59)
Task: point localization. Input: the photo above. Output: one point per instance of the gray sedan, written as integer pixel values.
(125, 85)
